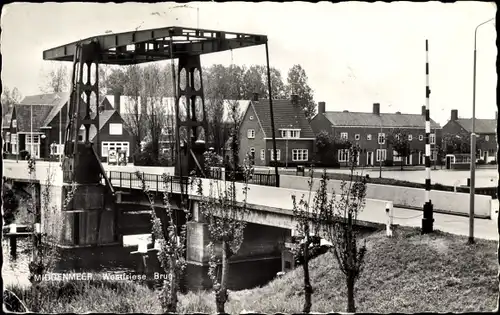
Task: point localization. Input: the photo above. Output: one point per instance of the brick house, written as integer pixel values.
(294, 136)
(370, 131)
(37, 125)
(485, 129)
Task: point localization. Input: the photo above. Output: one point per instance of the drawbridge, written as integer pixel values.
(91, 201)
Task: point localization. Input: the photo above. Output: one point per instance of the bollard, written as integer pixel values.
(13, 240)
(388, 211)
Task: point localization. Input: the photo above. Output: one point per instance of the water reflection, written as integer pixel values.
(118, 260)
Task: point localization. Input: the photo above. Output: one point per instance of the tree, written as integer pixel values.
(57, 80)
(224, 215)
(308, 220)
(339, 218)
(10, 203)
(9, 99)
(399, 140)
(172, 244)
(297, 84)
(325, 145)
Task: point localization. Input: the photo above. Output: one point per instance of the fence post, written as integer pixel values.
(130, 177)
(157, 190)
(120, 179)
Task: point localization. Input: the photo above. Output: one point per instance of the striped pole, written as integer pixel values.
(427, 220)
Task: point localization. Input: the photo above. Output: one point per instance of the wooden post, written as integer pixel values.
(120, 179)
(157, 190)
(130, 177)
(13, 246)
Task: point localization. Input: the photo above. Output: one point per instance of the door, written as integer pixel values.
(369, 158)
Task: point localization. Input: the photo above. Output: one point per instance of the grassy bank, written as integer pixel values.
(406, 273)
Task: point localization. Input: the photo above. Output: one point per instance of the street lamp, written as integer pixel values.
(473, 144)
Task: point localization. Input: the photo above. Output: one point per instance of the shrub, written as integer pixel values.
(481, 162)
(494, 162)
(24, 154)
(388, 163)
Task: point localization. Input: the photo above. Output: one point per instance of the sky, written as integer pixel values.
(354, 53)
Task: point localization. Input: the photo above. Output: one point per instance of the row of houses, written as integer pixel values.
(37, 125)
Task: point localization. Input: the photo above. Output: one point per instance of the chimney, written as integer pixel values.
(255, 97)
(376, 108)
(295, 99)
(423, 110)
(454, 114)
(321, 107)
(116, 102)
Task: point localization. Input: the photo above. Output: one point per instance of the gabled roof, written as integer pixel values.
(482, 125)
(387, 120)
(24, 113)
(55, 100)
(286, 116)
(127, 104)
(104, 117)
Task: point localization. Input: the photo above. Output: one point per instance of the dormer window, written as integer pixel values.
(290, 133)
(14, 123)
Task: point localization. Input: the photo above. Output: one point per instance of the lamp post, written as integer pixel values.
(473, 144)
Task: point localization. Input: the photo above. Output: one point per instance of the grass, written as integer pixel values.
(406, 273)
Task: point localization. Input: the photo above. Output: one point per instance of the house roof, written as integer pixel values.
(127, 104)
(387, 120)
(104, 116)
(482, 125)
(55, 100)
(24, 115)
(286, 115)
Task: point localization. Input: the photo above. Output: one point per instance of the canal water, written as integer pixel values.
(119, 261)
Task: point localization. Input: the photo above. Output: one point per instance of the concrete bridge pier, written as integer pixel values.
(262, 246)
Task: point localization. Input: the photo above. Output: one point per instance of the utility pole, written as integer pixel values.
(428, 220)
(473, 145)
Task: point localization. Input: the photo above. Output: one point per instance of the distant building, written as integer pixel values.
(37, 124)
(294, 136)
(485, 130)
(370, 131)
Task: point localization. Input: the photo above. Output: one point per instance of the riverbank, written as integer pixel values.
(407, 273)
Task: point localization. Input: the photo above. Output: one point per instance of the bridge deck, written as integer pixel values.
(279, 199)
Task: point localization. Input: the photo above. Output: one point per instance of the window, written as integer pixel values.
(251, 117)
(396, 157)
(300, 155)
(381, 138)
(433, 155)
(278, 153)
(420, 137)
(252, 153)
(56, 149)
(432, 138)
(251, 133)
(262, 154)
(107, 146)
(410, 137)
(13, 142)
(14, 123)
(343, 135)
(33, 144)
(381, 155)
(290, 133)
(356, 136)
(116, 129)
(487, 138)
(343, 155)
(369, 136)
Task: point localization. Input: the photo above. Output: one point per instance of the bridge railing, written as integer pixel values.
(153, 181)
(263, 179)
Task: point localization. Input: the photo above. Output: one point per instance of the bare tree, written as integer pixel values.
(172, 244)
(57, 79)
(307, 216)
(339, 218)
(9, 99)
(224, 216)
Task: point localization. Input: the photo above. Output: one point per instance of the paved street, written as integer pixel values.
(484, 177)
